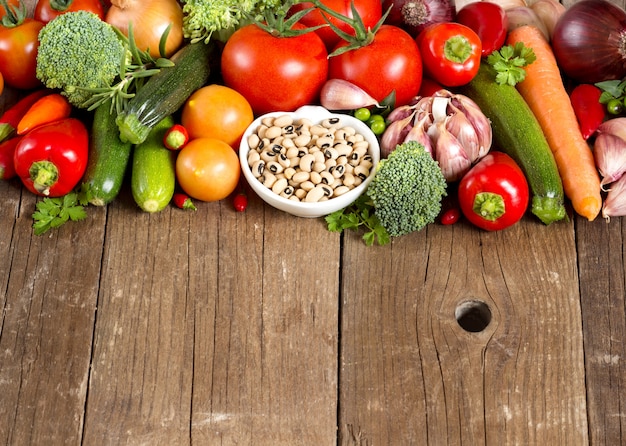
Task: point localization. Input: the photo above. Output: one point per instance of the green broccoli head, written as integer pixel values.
(203, 18)
(407, 189)
(78, 51)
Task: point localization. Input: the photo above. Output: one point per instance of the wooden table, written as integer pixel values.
(259, 328)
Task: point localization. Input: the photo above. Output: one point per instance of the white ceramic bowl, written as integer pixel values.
(315, 114)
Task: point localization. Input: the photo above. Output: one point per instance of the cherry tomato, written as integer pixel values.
(494, 194)
(45, 9)
(489, 21)
(429, 87)
(275, 73)
(450, 216)
(391, 62)
(451, 53)
(18, 53)
(217, 111)
(207, 169)
(370, 12)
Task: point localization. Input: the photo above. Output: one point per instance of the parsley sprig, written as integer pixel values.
(509, 63)
(52, 212)
(359, 215)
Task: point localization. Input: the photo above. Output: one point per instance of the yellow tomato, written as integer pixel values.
(207, 169)
(219, 112)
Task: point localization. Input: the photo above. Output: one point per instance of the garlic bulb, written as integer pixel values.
(449, 126)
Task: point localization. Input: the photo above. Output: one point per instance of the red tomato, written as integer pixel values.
(451, 53)
(494, 194)
(390, 62)
(489, 21)
(18, 54)
(207, 169)
(275, 73)
(370, 12)
(45, 9)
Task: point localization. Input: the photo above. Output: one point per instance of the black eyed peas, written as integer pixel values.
(303, 161)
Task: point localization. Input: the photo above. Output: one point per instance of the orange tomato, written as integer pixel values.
(1, 83)
(207, 169)
(216, 111)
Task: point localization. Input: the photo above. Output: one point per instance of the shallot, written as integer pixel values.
(449, 126)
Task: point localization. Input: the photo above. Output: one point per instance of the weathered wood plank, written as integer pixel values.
(48, 302)
(265, 368)
(212, 318)
(411, 375)
(601, 252)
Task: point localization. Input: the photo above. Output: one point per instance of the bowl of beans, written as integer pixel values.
(309, 163)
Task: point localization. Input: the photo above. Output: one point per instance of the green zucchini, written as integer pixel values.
(517, 132)
(153, 170)
(108, 158)
(165, 92)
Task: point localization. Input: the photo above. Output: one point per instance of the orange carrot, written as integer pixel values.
(545, 93)
(47, 109)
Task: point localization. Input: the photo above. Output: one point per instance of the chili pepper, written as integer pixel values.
(12, 116)
(176, 137)
(589, 111)
(7, 151)
(45, 110)
(52, 158)
(182, 201)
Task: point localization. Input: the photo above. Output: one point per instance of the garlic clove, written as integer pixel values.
(479, 121)
(400, 113)
(615, 201)
(418, 133)
(339, 94)
(609, 152)
(394, 134)
(450, 154)
(462, 128)
(614, 126)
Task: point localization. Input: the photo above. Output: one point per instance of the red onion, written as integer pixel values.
(415, 15)
(589, 41)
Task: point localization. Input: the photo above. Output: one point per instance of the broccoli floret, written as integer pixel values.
(407, 189)
(78, 51)
(202, 18)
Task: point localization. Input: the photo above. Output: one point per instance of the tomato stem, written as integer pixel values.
(489, 206)
(457, 49)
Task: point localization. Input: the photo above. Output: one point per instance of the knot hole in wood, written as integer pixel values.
(473, 315)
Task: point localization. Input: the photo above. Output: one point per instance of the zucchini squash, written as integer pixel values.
(108, 158)
(153, 171)
(165, 92)
(517, 133)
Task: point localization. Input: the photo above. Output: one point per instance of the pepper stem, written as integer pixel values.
(457, 49)
(44, 174)
(489, 206)
(60, 5)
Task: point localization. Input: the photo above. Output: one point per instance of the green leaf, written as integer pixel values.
(509, 63)
(53, 212)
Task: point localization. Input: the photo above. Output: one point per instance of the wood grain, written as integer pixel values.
(258, 328)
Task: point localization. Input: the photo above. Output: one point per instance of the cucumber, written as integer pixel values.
(153, 170)
(108, 158)
(165, 92)
(517, 132)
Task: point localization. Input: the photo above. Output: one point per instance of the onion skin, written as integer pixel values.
(150, 19)
(589, 41)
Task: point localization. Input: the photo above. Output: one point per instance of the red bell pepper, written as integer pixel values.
(589, 112)
(7, 151)
(13, 115)
(51, 159)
